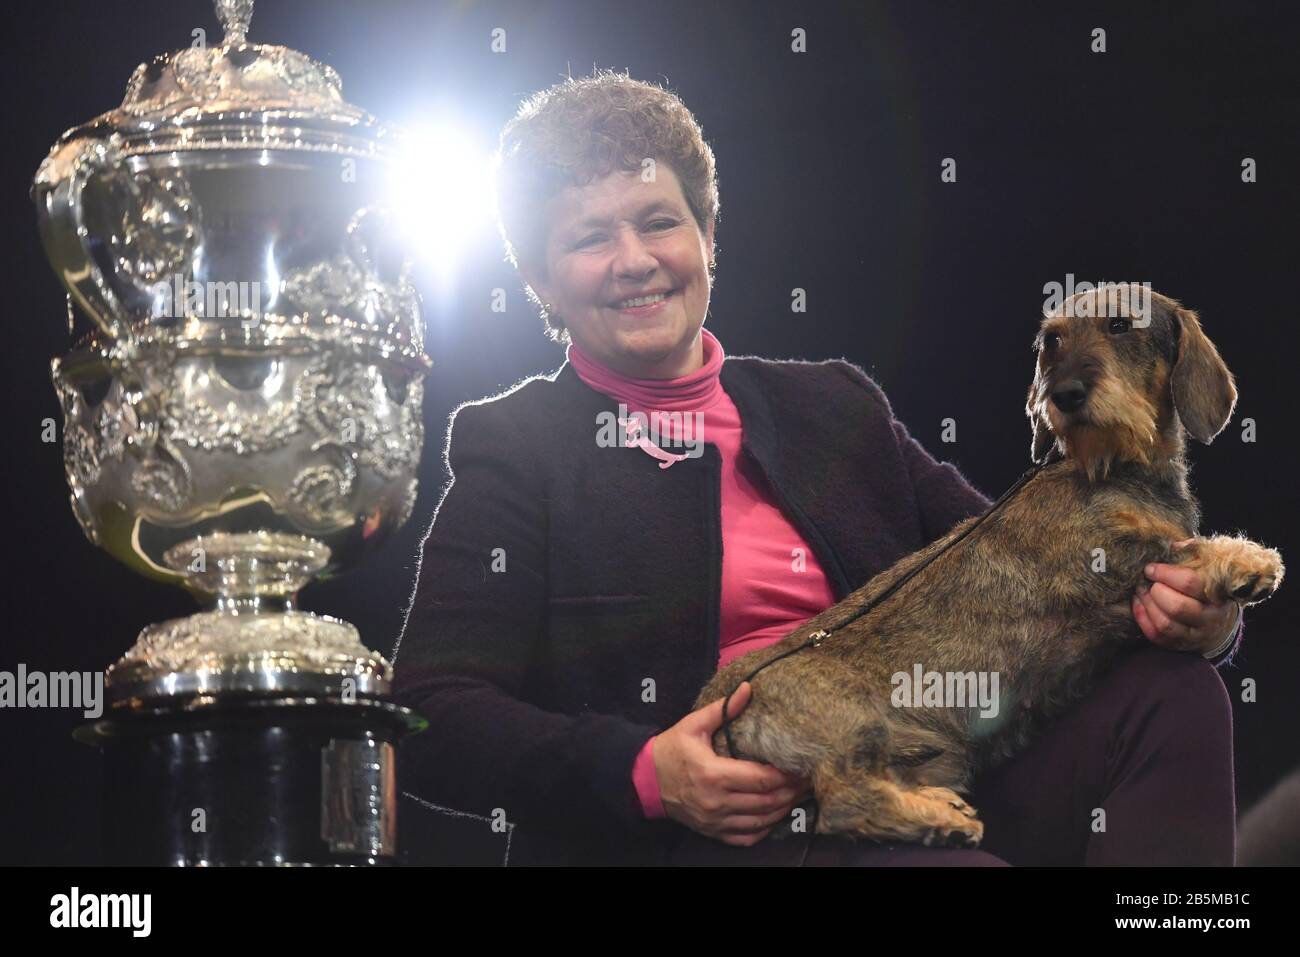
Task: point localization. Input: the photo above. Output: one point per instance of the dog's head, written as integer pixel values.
(1119, 369)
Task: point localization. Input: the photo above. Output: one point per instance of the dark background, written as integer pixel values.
(1117, 166)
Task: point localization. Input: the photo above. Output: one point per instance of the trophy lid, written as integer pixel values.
(236, 95)
(235, 75)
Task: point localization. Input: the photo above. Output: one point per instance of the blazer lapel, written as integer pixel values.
(760, 442)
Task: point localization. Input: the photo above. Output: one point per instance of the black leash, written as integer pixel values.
(817, 637)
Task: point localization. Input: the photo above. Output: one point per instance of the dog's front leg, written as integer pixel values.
(1233, 568)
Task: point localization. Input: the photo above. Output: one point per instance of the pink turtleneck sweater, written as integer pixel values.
(771, 582)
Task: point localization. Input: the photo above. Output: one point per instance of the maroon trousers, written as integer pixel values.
(1139, 773)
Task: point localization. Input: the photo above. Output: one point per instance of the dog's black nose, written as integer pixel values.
(1069, 396)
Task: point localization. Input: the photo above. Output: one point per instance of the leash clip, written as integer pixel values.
(818, 637)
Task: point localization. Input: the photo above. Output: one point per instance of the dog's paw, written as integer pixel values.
(1253, 574)
(951, 798)
(1254, 585)
(953, 822)
(1235, 569)
(966, 835)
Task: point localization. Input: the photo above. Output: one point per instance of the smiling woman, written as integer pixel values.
(608, 199)
(629, 279)
(574, 595)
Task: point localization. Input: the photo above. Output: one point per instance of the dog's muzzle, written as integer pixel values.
(1070, 395)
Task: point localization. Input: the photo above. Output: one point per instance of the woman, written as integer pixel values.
(587, 571)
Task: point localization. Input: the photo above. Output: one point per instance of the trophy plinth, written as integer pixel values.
(242, 414)
(259, 780)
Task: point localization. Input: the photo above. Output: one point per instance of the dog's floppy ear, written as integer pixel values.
(1043, 437)
(1203, 391)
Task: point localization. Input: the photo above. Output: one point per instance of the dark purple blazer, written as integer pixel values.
(545, 666)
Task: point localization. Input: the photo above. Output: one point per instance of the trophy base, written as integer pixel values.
(251, 780)
(274, 652)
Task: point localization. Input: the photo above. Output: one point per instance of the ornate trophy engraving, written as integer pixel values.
(242, 415)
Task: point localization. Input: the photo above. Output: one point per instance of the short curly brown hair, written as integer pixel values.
(579, 131)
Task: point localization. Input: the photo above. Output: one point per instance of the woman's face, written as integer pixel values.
(620, 238)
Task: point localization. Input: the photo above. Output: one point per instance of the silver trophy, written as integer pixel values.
(244, 412)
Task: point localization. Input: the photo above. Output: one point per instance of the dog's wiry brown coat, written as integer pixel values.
(1020, 596)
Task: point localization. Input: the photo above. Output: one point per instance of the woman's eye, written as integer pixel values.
(664, 223)
(1119, 325)
(588, 241)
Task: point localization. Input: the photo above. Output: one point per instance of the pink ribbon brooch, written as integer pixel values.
(634, 439)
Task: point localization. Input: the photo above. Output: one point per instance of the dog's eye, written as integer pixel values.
(1118, 325)
(1051, 341)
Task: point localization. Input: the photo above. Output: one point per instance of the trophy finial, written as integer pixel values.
(234, 16)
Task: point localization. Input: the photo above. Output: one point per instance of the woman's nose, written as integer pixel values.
(631, 257)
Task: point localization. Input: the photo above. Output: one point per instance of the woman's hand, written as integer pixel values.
(1173, 613)
(737, 802)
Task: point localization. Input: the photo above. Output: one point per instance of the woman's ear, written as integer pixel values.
(535, 283)
(1203, 391)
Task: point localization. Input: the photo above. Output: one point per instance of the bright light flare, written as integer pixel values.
(439, 192)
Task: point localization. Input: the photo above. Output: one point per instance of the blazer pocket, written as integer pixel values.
(580, 603)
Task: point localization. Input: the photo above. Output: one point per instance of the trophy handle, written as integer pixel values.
(370, 219)
(63, 227)
(364, 221)
(66, 234)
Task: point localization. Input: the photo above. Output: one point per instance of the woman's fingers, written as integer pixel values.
(738, 802)
(738, 798)
(1143, 619)
(740, 774)
(1168, 632)
(750, 823)
(1178, 577)
(736, 774)
(1177, 606)
(708, 719)
(753, 824)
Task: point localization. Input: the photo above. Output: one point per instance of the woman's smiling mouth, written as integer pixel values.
(643, 305)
